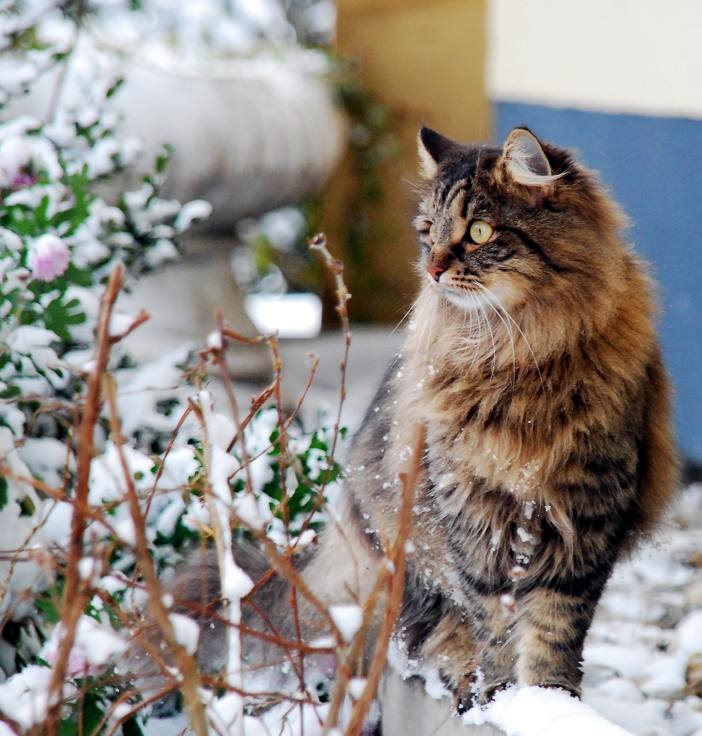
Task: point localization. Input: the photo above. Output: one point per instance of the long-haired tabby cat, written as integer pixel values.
(532, 360)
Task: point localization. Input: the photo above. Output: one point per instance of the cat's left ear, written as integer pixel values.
(525, 162)
(433, 148)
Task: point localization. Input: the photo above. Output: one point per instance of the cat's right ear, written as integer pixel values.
(433, 149)
(526, 162)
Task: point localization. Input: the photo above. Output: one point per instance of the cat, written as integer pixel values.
(532, 361)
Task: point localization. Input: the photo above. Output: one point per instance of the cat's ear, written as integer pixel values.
(433, 149)
(526, 163)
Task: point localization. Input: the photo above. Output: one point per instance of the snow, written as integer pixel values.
(24, 697)
(34, 341)
(348, 619)
(94, 646)
(535, 711)
(120, 324)
(193, 211)
(168, 518)
(186, 631)
(56, 528)
(689, 633)
(246, 507)
(88, 567)
(214, 340)
(102, 157)
(124, 528)
(46, 458)
(356, 687)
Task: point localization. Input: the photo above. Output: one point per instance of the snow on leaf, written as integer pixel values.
(347, 618)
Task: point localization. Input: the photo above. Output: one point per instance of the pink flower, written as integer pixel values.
(21, 180)
(49, 257)
(77, 665)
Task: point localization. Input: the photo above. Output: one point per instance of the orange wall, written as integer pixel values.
(426, 61)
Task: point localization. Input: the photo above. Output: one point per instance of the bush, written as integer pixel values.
(106, 482)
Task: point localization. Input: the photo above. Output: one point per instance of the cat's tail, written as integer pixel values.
(195, 591)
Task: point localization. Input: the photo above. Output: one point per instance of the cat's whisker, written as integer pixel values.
(508, 327)
(494, 342)
(506, 324)
(426, 323)
(466, 313)
(400, 323)
(521, 332)
(492, 337)
(479, 344)
(429, 332)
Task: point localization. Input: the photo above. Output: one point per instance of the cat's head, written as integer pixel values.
(520, 225)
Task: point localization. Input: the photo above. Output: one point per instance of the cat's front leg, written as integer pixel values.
(493, 626)
(554, 620)
(472, 648)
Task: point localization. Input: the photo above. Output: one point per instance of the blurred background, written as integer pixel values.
(293, 116)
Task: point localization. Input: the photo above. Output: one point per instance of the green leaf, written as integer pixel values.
(27, 507)
(68, 726)
(163, 158)
(3, 492)
(79, 276)
(114, 88)
(41, 212)
(49, 609)
(11, 392)
(132, 728)
(93, 712)
(59, 316)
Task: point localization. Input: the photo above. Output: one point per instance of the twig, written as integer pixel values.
(186, 664)
(74, 593)
(138, 321)
(409, 480)
(336, 267)
(162, 465)
(219, 499)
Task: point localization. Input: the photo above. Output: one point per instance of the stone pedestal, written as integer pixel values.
(409, 711)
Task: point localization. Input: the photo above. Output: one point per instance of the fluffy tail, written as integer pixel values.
(196, 592)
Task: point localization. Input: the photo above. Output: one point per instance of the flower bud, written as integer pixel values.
(49, 257)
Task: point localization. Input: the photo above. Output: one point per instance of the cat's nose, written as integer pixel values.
(435, 270)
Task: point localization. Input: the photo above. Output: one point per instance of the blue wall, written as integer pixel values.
(654, 167)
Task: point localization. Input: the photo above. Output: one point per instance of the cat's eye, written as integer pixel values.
(480, 231)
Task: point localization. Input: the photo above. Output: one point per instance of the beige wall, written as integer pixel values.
(425, 60)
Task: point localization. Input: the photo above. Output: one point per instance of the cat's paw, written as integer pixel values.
(488, 692)
(464, 701)
(464, 691)
(573, 690)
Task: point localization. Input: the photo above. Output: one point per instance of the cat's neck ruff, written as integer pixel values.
(470, 330)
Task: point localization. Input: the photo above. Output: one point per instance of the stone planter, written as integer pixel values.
(249, 135)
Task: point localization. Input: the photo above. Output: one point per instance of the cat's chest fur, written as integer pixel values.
(483, 432)
(483, 500)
